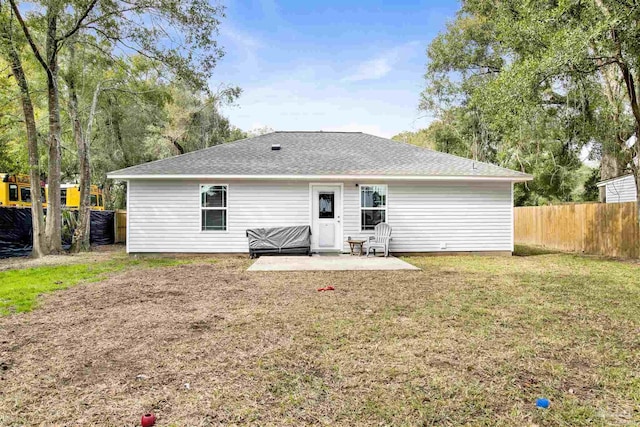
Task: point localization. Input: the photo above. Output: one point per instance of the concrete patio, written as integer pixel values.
(328, 263)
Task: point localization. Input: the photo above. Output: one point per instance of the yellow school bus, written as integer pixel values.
(15, 191)
(70, 197)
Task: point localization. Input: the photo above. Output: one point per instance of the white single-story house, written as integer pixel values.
(340, 183)
(620, 189)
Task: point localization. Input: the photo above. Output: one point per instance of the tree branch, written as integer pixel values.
(76, 27)
(32, 43)
(628, 78)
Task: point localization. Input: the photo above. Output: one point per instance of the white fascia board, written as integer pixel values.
(329, 177)
(614, 179)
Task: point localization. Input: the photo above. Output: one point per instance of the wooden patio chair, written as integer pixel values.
(380, 239)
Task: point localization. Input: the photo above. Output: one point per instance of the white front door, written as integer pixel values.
(326, 217)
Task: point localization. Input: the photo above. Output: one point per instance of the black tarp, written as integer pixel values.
(102, 230)
(16, 238)
(15, 232)
(280, 240)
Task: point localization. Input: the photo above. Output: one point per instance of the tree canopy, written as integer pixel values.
(125, 80)
(152, 93)
(528, 85)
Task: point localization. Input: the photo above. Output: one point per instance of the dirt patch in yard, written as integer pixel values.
(97, 254)
(465, 341)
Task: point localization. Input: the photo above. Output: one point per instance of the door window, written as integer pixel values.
(326, 205)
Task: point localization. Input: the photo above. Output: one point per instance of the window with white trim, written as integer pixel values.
(213, 207)
(373, 206)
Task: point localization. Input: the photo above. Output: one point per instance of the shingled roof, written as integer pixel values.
(316, 154)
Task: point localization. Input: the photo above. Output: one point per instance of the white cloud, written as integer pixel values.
(241, 39)
(381, 65)
(242, 48)
(301, 100)
(316, 95)
(371, 70)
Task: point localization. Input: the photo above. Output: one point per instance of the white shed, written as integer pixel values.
(340, 183)
(620, 189)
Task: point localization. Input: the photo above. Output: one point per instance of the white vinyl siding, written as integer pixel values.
(164, 216)
(466, 216)
(621, 190)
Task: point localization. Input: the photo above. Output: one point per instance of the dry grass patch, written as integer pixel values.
(465, 341)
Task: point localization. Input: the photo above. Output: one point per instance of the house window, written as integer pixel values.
(373, 206)
(13, 193)
(213, 207)
(63, 197)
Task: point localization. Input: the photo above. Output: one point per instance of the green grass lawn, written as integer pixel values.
(562, 326)
(467, 340)
(19, 289)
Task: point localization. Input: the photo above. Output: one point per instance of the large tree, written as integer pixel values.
(545, 79)
(10, 43)
(422, 138)
(194, 121)
(178, 37)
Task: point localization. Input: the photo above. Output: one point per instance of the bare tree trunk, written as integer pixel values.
(611, 163)
(106, 194)
(53, 225)
(115, 125)
(635, 108)
(635, 168)
(54, 213)
(37, 214)
(635, 149)
(632, 95)
(80, 241)
(609, 168)
(177, 145)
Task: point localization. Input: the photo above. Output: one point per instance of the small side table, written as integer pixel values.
(356, 243)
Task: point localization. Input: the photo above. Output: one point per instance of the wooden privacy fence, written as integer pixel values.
(609, 229)
(120, 224)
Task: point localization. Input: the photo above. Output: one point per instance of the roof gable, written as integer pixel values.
(316, 154)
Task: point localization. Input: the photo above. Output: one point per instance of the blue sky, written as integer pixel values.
(329, 65)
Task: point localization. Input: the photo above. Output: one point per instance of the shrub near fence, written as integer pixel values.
(609, 229)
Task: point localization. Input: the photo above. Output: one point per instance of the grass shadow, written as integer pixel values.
(523, 251)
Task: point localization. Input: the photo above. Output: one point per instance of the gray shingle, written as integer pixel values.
(318, 153)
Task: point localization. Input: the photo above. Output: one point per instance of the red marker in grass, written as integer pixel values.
(148, 420)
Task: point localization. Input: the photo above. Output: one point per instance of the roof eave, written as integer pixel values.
(615, 178)
(522, 178)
